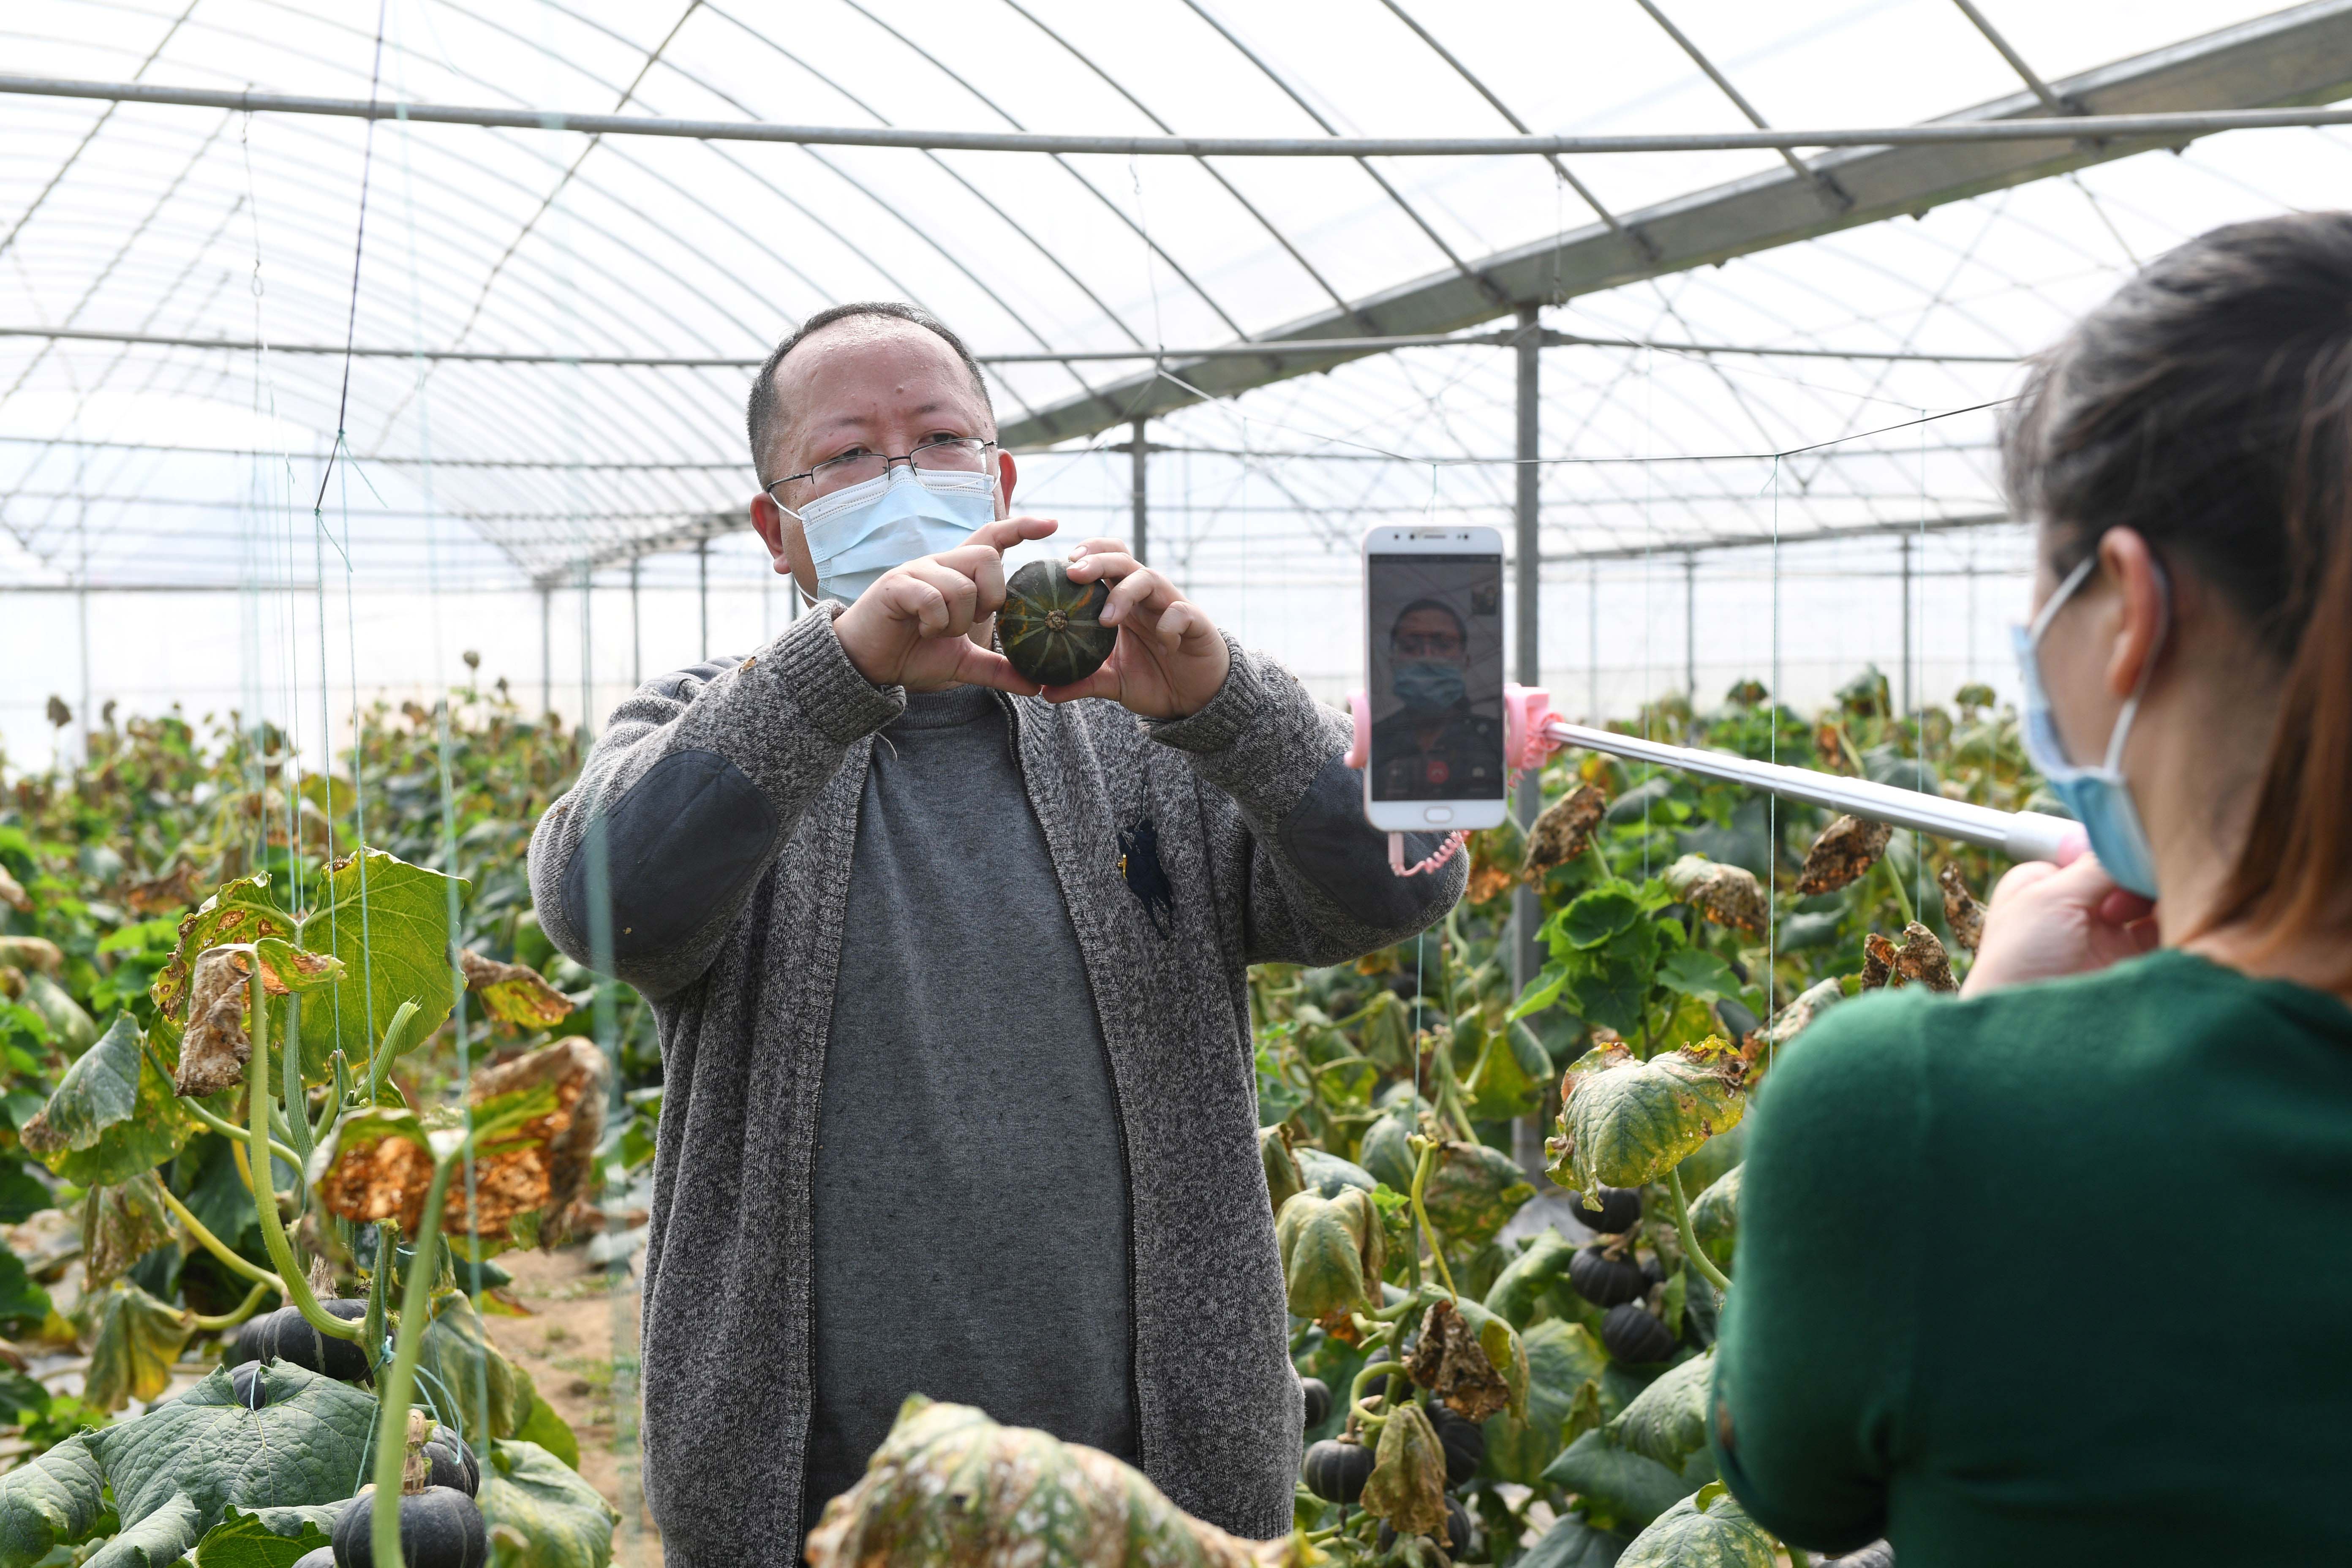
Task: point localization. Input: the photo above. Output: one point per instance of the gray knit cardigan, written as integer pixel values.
(706, 850)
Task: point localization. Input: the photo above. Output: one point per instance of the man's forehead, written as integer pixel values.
(861, 368)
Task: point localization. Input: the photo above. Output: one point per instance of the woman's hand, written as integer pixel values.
(1170, 659)
(2046, 921)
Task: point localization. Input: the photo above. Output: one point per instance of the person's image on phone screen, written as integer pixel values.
(1436, 676)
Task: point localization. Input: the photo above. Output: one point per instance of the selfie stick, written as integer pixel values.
(1534, 731)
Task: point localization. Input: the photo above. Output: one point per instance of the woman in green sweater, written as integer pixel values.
(2061, 1272)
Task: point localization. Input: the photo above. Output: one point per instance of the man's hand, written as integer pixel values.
(2046, 921)
(913, 627)
(1169, 660)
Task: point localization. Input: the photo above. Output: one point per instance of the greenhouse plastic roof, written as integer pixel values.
(127, 462)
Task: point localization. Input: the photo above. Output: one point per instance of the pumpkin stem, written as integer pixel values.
(1691, 1249)
(1419, 1185)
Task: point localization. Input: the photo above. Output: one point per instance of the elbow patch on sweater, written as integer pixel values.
(681, 841)
(1347, 858)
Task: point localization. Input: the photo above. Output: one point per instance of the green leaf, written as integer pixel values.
(272, 1538)
(459, 1357)
(72, 1028)
(161, 1538)
(1595, 917)
(22, 1304)
(1668, 1420)
(1695, 971)
(1630, 1488)
(139, 1338)
(1708, 1529)
(1509, 1080)
(1541, 992)
(1327, 1175)
(1562, 1360)
(557, 1520)
(1520, 1289)
(1473, 1193)
(156, 1541)
(542, 1426)
(393, 941)
(1625, 1124)
(302, 1446)
(1715, 1216)
(113, 1114)
(1572, 1543)
(21, 1195)
(1611, 983)
(48, 1502)
(1331, 1253)
(1386, 1150)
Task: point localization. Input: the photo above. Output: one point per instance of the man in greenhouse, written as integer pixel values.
(960, 1093)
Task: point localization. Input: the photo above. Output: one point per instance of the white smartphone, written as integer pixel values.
(1433, 663)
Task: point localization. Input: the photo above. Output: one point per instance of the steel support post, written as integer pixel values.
(637, 630)
(1593, 647)
(1690, 635)
(1905, 543)
(702, 569)
(1141, 500)
(1527, 913)
(587, 655)
(546, 651)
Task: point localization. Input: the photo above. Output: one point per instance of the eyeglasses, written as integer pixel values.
(940, 454)
(1424, 645)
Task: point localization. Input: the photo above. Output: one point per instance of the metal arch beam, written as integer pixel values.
(1669, 547)
(2298, 56)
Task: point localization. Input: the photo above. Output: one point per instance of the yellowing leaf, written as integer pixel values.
(1626, 1122)
(1331, 1253)
(513, 993)
(120, 1225)
(1407, 1486)
(113, 1114)
(139, 1338)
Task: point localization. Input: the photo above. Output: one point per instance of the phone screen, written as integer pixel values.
(1437, 627)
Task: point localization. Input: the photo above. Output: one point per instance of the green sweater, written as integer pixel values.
(2062, 1275)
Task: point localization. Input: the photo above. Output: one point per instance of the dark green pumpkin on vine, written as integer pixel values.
(1051, 628)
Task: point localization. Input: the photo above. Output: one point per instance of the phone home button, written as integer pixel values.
(1438, 814)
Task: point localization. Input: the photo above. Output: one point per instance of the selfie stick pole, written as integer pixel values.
(2019, 835)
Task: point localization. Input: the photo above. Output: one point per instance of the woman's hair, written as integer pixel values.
(2209, 410)
(2208, 407)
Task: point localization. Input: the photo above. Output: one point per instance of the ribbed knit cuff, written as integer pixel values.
(822, 682)
(1239, 703)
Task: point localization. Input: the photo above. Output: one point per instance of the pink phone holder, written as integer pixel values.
(1526, 711)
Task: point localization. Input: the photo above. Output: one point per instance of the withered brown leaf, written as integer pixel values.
(216, 1049)
(1919, 959)
(1843, 855)
(545, 1166)
(1961, 910)
(1727, 895)
(1449, 1362)
(1561, 832)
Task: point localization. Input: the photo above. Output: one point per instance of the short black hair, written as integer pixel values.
(764, 409)
(1461, 628)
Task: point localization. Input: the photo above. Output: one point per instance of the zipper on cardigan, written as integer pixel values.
(1110, 1067)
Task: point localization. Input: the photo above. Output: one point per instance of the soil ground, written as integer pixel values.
(569, 1345)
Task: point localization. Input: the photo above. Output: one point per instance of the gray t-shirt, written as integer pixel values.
(970, 1206)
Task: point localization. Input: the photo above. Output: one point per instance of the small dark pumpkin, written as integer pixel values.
(289, 1337)
(251, 1341)
(439, 1528)
(1620, 1208)
(1336, 1469)
(1051, 628)
(454, 1465)
(1464, 1440)
(1319, 1401)
(1603, 1280)
(1461, 1533)
(1634, 1333)
(252, 1389)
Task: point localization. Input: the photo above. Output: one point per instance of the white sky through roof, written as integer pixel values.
(141, 467)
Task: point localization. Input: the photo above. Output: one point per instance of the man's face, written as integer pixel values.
(865, 383)
(1427, 636)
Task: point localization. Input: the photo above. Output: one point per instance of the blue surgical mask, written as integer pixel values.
(856, 535)
(1428, 686)
(2097, 797)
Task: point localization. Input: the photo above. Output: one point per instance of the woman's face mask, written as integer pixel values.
(2097, 797)
(1429, 685)
(856, 535)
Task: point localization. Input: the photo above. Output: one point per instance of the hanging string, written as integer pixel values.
(359, 249)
